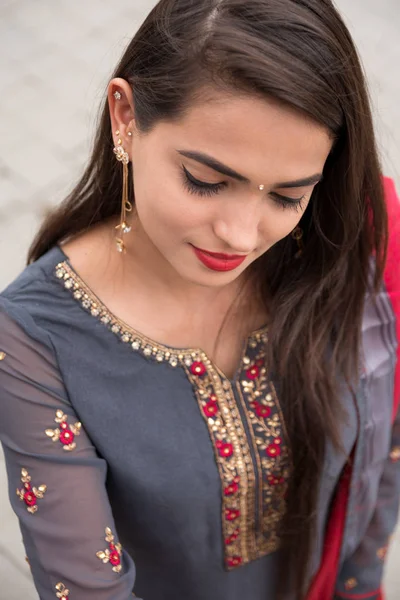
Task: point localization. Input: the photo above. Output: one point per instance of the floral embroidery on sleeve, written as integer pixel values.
(30, 494)
(112, 554)
(66, 433)
(395, 454)
(351, 583)
(381, 553)
(62, 592)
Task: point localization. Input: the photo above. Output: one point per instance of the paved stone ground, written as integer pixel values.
(55, 60)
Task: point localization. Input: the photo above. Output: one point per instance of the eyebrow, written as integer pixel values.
(214, 164)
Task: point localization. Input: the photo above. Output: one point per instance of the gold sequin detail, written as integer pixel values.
(137, 341)
(2, 355)
(62, 591)
(351, 583)
(181, 357)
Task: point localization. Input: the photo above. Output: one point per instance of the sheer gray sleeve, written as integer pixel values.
(56, 479)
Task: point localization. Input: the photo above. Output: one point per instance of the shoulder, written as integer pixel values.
(34, 277)
(35, 299)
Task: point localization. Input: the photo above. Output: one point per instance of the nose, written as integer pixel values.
(238, 227)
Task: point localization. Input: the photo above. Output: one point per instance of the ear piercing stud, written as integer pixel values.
(118, 133)
(117, 95)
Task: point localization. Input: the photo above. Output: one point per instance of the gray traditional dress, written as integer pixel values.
(140, 467)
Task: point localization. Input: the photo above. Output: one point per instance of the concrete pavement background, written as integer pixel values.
(55, 60)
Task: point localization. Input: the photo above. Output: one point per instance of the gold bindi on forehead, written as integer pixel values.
(261, 187)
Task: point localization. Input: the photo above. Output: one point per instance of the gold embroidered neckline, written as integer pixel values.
(138, 341)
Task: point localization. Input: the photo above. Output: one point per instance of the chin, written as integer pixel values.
(211, 279)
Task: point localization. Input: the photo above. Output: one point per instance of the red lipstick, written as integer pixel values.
(217, 261)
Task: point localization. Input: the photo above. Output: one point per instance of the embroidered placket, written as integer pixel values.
(266, 425)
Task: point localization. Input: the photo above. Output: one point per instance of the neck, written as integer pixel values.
(144, 267)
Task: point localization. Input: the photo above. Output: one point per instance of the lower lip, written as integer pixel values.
(218, 264)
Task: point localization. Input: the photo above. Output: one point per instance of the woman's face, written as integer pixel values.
(197, 185)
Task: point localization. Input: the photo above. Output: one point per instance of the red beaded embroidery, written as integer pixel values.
(232, 515)
(198, 368)
(233, 488)
(235, 561)
(62, 592)
(262, 411)
(211, 408)
(253, 372)
(225, 450)
(273, 450)
(112, 554)
(30, 494)
(66, 433)
(232, 538)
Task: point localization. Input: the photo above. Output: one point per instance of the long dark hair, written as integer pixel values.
(300, 53)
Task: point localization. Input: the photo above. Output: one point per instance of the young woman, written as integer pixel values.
(198, 385)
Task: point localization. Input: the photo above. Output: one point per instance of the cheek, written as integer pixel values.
(167, 210)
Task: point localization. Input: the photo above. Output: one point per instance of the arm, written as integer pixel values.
(56, 479)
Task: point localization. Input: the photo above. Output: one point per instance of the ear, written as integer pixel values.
(122, 114)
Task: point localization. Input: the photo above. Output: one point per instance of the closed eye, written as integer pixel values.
(202, 188)
(286, 202)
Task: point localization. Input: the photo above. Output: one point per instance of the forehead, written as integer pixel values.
(253, 135)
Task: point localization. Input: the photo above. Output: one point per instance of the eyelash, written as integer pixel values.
(193, 186)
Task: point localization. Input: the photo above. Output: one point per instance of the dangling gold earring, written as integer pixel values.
(126, 206)
(297, 234)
